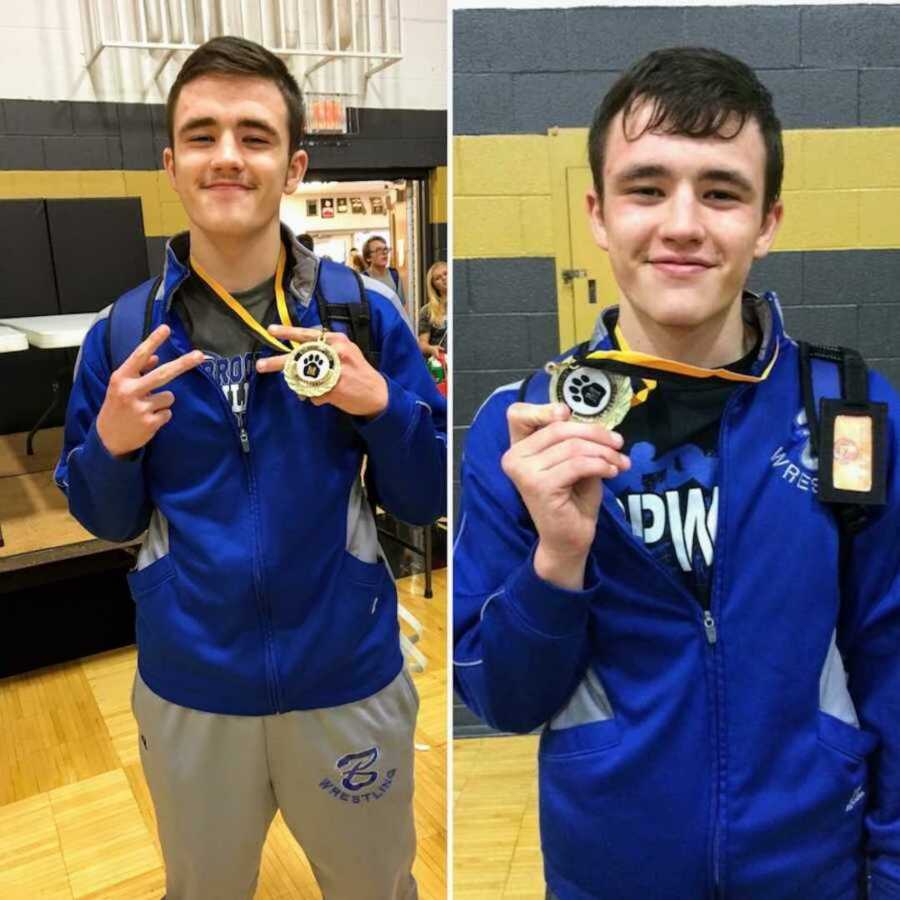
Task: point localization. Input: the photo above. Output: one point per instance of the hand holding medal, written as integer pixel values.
(327, 367)
(323, 367)
(558, 465)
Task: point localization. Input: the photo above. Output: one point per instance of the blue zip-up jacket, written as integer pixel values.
(258, 586)
(680, 758)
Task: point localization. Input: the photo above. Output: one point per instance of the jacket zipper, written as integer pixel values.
(710, 632)
(262, 605)
(712, 637)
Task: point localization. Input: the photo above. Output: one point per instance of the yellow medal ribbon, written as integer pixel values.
(646, 361)
(242, 313)
(649, 384)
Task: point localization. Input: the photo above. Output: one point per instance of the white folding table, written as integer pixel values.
(53, 332)
(50, 333)
(11, 340)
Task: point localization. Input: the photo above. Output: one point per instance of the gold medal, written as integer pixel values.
(591, 394)
(313, 368)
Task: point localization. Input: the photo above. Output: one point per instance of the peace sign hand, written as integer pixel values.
(131, 413)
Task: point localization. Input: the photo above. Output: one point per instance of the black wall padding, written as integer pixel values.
(65, 620)
(28, 378)
(99, 251)
(26, 270)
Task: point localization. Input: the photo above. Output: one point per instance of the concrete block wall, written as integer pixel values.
(835, 75)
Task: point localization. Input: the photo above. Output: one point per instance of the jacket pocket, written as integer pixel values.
(586, 724)
(144, 581)
(160, 641)
(363, 573)
(845, 738)
(579, 740)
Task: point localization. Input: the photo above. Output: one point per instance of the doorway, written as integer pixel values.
(341, 215)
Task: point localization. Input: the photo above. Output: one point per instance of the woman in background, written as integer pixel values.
(356, 261)
(433, 315)
(433, 325)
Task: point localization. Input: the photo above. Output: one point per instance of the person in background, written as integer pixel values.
(433, 315)
(306, 240)
(355, 261)
(375, 254)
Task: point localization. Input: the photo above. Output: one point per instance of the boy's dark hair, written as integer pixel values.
(693, 91)
(307, 241)
(237, 56)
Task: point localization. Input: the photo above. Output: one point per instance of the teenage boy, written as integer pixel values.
(376, 255)
(661, 588)
(269, 669)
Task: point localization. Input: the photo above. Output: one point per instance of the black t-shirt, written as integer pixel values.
(437, 334)
(670, 494)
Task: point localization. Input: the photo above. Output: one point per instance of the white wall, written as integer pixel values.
(41, 58)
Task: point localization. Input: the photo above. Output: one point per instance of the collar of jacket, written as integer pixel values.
(763, 311)
(303, 277)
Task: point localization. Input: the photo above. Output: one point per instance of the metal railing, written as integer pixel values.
(321, 31)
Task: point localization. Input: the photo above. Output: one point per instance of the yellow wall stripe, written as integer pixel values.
(841, 191)
(438, 186)
(163, 214)
(162, 210)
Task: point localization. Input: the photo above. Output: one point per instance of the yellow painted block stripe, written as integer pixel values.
(502, 226)
(438, 185)
(514, 164)
(148, 186)
(841, 189)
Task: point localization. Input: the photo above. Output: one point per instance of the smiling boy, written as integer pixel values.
(269, 669)
(715, 659)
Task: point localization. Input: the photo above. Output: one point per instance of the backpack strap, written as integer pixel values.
(817, 382)
(129, 321)
(343, 306)
(523, 388)
(395, 276)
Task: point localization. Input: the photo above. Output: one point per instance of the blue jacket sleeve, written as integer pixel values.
(870, 638)
(407, 442)
(106, 495)
(520, 643)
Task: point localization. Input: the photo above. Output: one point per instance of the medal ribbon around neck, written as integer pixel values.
(625, 359)
(242, 313)
(597, 387)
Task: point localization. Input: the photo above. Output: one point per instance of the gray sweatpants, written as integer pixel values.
(342, 778)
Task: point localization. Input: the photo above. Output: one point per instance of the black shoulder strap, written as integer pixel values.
(523, 388)
(129, 321)
(852, 517)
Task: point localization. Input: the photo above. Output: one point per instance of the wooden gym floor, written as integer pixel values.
(496, 845)
(76, 820)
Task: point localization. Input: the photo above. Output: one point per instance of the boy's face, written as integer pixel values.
(682, 219)
(231, 162)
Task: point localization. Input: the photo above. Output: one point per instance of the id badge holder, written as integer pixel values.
(853, 452)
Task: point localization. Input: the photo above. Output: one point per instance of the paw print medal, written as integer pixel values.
(593, 395)
(313, 368)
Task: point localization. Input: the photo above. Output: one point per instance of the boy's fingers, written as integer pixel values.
(526, 418)
(170, 370)
(141, 354)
